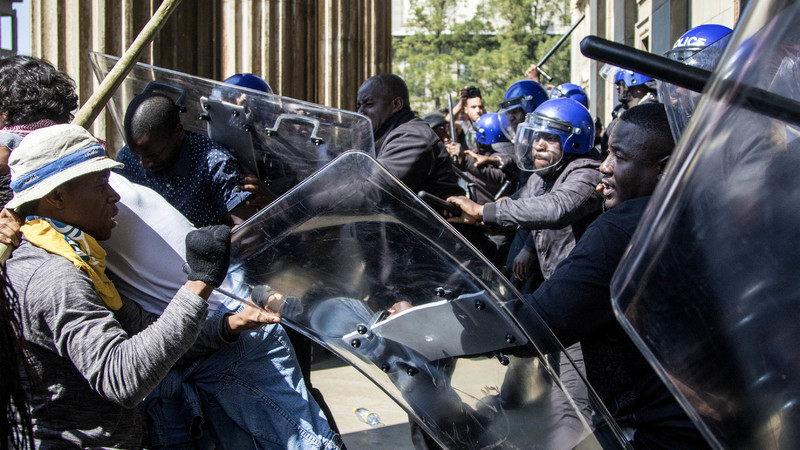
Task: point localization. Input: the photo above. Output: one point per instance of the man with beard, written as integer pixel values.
(561, 201)
(557, 204)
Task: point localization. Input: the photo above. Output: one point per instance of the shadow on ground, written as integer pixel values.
(394, 437)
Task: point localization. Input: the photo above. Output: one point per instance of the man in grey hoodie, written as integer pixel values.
(96, 354)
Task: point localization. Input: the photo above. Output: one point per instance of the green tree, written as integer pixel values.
(490, 50)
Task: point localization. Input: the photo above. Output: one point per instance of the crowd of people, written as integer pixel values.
(127, 350)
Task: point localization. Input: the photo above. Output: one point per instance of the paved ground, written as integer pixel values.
(345, 389)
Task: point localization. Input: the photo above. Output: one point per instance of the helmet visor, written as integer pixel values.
(514, 115)
(609, 73)
(526, 102)
(535, 128)
(682, 53)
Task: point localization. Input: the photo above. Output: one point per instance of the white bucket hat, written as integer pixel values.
(52, 156)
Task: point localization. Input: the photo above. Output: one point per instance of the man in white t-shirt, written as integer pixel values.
(158, 238)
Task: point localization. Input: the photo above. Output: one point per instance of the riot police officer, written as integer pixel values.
(573, 91)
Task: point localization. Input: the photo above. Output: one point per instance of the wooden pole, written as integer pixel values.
(91, 109)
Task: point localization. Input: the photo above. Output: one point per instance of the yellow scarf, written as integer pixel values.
(79, 248)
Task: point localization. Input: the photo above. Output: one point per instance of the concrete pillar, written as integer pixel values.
(351, 50)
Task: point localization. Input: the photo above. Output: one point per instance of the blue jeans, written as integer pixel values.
(250, 394)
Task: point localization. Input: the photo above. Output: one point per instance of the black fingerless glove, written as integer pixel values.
(208, 252)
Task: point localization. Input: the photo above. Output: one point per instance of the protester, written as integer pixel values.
(79, 327)
(223, 328)
(200, 178)
(405, 145)
(47, 97)
(575, 300)
(467, 111)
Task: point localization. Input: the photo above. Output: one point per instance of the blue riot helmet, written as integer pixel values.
(250, 81)
(572, 91)
(615, 75)
(624, 80)
(527, 94)
(701, 47)
(489, 128)
(559, 118)
(696, 40)
(521, 98)
(631, 78)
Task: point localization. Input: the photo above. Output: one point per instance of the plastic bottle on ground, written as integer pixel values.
(367, 416)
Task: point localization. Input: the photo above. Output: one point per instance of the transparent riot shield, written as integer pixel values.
(281, 140)
(372, 273)
(710, 288)
(681, 102)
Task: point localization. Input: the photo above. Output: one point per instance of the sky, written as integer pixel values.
(23, 28)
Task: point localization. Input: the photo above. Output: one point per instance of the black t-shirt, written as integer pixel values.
(576, 303)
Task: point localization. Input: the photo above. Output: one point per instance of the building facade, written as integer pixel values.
(314, 50)
(319, 50)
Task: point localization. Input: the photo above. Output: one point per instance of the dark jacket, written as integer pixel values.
(491, 178)
(408, 148)
(558, 210)
(576, 304)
